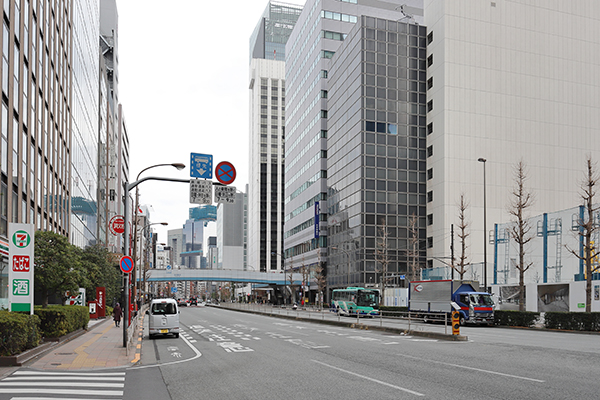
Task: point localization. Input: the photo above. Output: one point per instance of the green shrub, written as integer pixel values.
(57, 321)
(515, 318)
(19, 332)
(573, 321)
(391, 311)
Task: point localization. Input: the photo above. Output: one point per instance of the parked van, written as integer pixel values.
(163, 317)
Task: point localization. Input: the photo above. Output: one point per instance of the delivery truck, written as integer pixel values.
(435, 300)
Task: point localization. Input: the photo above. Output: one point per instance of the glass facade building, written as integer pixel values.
(376, 153)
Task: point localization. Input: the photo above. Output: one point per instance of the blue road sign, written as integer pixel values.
(126, 264)
(174, 289)
(201, 165)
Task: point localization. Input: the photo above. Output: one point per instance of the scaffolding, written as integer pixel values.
(553, 228)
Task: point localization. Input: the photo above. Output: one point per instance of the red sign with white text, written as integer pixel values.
(20, 264)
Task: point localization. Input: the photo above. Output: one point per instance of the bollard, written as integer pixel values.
(455, 323)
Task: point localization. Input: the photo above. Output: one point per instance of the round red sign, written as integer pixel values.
(117, 225)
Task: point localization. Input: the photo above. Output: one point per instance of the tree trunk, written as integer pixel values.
(521, 290)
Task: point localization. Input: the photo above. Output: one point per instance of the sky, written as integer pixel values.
(183, 84)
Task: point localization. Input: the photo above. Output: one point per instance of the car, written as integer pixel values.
(193, 302)
(163, 318)
(181, 303)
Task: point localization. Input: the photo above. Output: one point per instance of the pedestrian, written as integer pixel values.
(117, 312)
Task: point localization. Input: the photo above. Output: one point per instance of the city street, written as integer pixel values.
(226, 354)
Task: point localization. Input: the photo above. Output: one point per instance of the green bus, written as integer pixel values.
(355, 300)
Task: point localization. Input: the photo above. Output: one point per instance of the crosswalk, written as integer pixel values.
(46, 385)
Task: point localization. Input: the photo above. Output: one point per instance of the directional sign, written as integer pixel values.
(225, 172)
(200, 191)
(201, 165)
(126, 264)
(174, 289)
(225, 194)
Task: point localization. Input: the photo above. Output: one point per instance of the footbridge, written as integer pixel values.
(223, 275)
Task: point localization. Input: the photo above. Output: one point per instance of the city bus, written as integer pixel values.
(355, 300)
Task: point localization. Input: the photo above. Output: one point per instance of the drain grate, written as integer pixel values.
(55, 364)
(64, 354)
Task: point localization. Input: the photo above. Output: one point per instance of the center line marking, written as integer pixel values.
(370, 379)
(473, 369)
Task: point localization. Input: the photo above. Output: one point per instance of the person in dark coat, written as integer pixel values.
(117, 312)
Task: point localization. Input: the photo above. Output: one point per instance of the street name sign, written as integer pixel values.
(201, 165)
(200, 191)
(21, 266)
(225, 194)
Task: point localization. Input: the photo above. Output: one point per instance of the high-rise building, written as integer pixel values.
(376, 158)
(507, 81)
(267, 122)
(231, 220)
(320, 31)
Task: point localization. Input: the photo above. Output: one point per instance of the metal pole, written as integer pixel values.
(483, 160)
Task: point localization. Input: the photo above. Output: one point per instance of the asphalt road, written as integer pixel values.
(224, 354)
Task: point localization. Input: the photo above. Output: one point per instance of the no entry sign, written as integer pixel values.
(225, 172)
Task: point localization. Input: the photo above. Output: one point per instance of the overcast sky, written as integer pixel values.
(183, 84)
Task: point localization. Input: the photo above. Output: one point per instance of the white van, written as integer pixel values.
(163, 317)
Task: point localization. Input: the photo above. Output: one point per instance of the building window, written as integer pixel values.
(430, 196)
(430, 242)
(430, 173)
(430, 37)
(430, 128)
(429, 105)
(429, 83)
(430, 60)
(430, 151)
(430, 219)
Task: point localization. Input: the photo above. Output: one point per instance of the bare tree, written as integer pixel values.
(587, 228)
(290, 277)
(321, 278)
(463, 234)
(521, 200)
(382, 257)
(305, 271)
(413, 253)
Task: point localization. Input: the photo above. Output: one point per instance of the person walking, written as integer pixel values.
(117, 312)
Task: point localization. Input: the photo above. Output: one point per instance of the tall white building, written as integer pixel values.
(267, 122)
(231, 224)
(508, 81)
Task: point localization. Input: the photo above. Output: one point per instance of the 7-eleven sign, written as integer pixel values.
(20, 275)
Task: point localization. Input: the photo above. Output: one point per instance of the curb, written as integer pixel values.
(47, 344)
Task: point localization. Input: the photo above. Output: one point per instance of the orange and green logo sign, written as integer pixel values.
(21, 239)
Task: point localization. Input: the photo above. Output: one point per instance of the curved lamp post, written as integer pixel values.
(128, 186)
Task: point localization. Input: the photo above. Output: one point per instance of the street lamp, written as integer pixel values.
(142, 274)
(128, 186)
(483, 160)
(179, 167)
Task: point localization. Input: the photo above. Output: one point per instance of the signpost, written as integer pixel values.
(200, 191)
(225, 194)
(201, 165)
(20, 274)
(225, 172)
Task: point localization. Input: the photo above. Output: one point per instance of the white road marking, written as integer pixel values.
(71, 384)
(473, 369)
(198, 355)
(99, 374)
(66, 391)
(370, 379)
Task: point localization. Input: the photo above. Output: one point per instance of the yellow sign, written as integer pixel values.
(455, 323)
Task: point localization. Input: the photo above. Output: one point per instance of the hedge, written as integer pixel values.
(57, 321)
(515, 318)
(20, 332)
(573, 321)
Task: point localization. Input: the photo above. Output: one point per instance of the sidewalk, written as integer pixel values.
(101, 346)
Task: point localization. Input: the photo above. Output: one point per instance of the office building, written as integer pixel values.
(376, 155)
(231, 224)
(267, 122)
(507, 81)
(321, 29)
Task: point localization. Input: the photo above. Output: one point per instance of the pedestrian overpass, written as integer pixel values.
(223, 275)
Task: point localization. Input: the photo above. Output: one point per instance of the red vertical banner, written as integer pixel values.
(101, 300)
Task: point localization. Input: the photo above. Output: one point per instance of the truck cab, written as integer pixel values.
(475, 307)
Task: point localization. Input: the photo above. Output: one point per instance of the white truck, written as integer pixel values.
(433, 299)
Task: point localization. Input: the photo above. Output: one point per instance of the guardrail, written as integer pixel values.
(409, 321)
